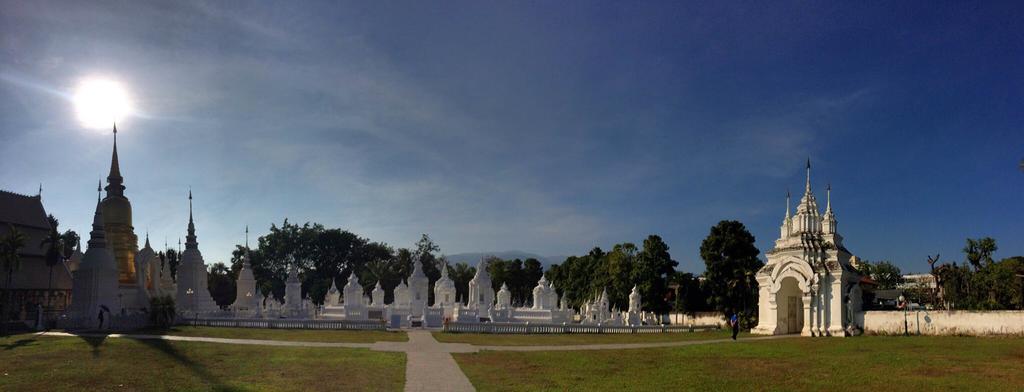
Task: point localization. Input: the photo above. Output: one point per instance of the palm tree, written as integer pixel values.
(54, 245)
(10, 246)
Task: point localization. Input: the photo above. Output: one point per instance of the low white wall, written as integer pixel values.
(699, 318)
(945, 322)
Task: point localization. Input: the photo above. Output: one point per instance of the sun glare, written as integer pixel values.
(101, 102)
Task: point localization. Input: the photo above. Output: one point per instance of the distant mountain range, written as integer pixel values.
(472, 258)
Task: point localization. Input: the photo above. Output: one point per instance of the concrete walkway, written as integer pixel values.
(429, 363)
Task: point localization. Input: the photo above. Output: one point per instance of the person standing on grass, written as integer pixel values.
(734, 321)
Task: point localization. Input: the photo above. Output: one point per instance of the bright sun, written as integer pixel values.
(101, 102)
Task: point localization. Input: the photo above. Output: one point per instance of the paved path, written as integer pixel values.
(429, 363)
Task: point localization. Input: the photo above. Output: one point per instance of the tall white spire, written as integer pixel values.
(828, 199)
(807, 189)
(190, 238)
(788, 214)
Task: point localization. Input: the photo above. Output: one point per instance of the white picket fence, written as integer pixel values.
(285, 323)
(526, 328)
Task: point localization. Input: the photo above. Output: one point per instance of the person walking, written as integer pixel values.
(101, 318)
(734, 321)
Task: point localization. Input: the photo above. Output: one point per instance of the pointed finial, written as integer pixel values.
(115, 130)
(787, 203)
(808, 187)
(828, 198)
(40, 189)
(99, 190)
(246, 236)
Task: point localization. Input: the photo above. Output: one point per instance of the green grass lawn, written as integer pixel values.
(297, 335)
(483, 339)
(862, 363)
(30, 363)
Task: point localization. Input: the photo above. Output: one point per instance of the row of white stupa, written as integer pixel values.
(410, 303)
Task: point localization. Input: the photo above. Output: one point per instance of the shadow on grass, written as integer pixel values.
(19, 343)
(94, 341)
(166, 348)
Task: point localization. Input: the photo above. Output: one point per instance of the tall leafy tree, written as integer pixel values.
(222, 284)
(69, 242)
(979, 251)
(653, 269)
(731, 260)
(172, 258)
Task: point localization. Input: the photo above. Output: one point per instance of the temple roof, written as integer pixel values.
(27, 215)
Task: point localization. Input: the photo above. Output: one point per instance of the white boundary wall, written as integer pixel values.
(945, 322)
(699, 318)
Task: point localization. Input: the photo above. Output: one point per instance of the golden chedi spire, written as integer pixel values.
(117, 222)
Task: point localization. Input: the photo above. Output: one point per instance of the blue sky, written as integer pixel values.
(543, 127)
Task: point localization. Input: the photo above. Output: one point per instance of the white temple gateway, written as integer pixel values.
(808, 285)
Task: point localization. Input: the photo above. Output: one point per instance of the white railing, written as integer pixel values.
(284, 323)
(524, 328)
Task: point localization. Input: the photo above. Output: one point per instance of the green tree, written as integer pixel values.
(461, 274)
(70, 242)
(731, 261)
(172, 259)
(654, 266)
(532, 272)
(10, 257)
(980, 251)
(691, 296)
(886, 274)
(221, 283)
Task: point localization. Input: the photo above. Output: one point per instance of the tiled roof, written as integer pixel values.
(22, 210)
(27, 215)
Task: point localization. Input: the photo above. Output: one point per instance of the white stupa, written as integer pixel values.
(193, 286)
(444, 290)
(418, 289)
(481, 294)
(247, 298)
(95, 281)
